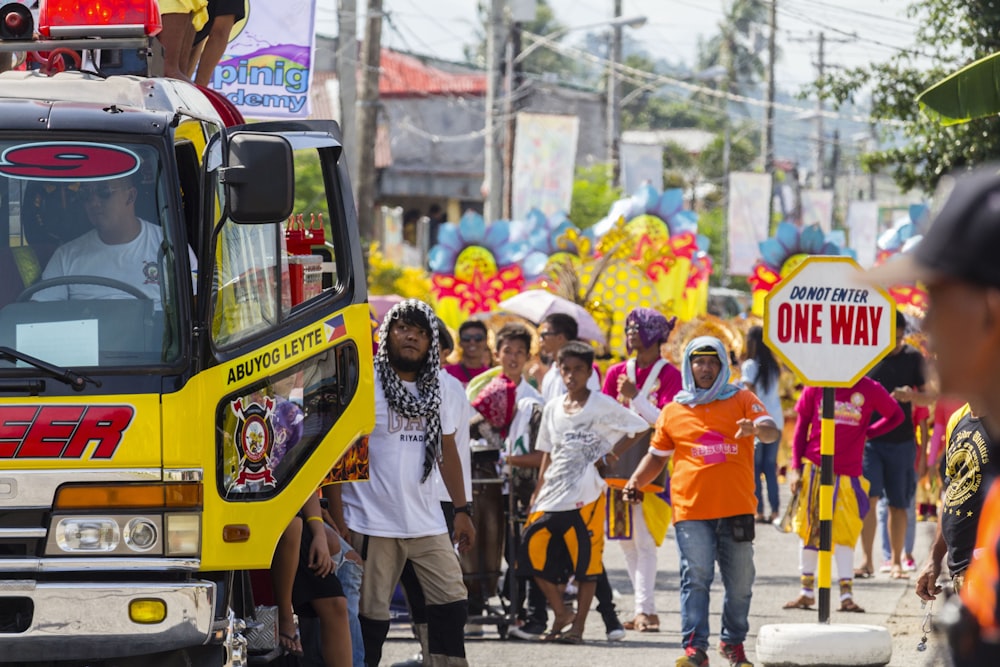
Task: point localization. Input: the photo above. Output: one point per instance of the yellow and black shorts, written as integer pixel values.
(556, 545)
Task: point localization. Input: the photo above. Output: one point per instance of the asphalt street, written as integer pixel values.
(888, 603)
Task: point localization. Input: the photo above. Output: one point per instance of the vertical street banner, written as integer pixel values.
(862, 231)
(817, 207)
(544, 159)
(747, 217)
(641, 164)
(266, 70)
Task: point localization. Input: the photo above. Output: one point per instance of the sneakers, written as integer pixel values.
(614, 628)
(909, 565)
(530, 631)
(886, 567)
(693, 657)
(735, 654)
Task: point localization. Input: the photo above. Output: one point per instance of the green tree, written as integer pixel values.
(742, 153)
(735, 49)
(918, 150)
(593, 195)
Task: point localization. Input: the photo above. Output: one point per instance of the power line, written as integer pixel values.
(641, 77)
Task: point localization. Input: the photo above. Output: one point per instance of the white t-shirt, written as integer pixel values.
(574, 443)
(553, 385)
(750, 375)
(452, 390)
(135, 263)
(394, 502)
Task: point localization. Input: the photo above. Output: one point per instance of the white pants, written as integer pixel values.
(640, 561)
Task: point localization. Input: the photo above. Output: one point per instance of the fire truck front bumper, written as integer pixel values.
(68, 620)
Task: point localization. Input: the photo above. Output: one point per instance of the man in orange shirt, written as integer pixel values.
(710, 428)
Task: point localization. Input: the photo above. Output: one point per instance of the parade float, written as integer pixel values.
(780, 254)
(645, 253)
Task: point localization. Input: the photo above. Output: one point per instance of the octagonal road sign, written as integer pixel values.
(827, 325)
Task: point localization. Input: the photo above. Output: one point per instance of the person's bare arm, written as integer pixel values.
(764, 430)
(648, 469)
(320, 561)
(336, 508)
(926, 587)
(454, 481)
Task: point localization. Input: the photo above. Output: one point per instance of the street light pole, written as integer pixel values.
(614, 110)
(493, 171)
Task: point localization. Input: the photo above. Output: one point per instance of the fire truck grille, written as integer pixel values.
(22, 533)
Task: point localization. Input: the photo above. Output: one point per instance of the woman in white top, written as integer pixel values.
(760, 374)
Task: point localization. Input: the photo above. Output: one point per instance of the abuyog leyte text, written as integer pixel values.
(829, 315)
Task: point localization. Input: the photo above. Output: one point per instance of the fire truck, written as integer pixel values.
(176, 378)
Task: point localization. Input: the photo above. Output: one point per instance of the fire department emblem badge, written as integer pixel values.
(254, 438)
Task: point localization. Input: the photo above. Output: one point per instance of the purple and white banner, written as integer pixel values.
(266, 70)
(749, 195)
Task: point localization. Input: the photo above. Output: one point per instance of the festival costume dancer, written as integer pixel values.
(644, 383)
(852, 414)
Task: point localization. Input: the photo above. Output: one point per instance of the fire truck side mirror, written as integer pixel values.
(259, 181)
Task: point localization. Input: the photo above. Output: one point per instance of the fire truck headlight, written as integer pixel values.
(183, 534)
(140, 534)
(89, 535)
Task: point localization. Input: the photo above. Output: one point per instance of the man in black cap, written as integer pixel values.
(957, 261)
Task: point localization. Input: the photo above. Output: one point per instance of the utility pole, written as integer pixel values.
(511, 84)
(727, 78)
(767, 150)
(820, 66)
(368, 120)
(493, 171)
(347, 79)
(614, 112)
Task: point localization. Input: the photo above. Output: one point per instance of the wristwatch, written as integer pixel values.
(464, 509)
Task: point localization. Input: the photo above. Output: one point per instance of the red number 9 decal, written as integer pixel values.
(67, 161)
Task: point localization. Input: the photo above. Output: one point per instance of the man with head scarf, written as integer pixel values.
(396, 516)
(645, 383)
(709, 428)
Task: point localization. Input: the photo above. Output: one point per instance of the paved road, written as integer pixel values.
(889, 603)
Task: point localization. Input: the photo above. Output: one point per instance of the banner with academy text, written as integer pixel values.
(748, 224)
(266, 70)
(544, 159)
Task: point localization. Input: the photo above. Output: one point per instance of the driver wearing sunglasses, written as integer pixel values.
(476, 357)
(121, 247)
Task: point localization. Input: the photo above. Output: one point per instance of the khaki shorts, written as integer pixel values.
(434, 561)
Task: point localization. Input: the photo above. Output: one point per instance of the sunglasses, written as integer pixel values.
(472, 338)
(102, 193)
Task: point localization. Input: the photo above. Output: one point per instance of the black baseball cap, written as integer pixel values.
(963, 240)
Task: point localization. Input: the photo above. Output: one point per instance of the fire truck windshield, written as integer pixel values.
(90, 273)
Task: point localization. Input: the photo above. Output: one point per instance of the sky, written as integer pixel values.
(856, 31)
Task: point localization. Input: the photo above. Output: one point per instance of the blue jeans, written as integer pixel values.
(700, 544)
(349, 573)
(765, 462)
(883, 524)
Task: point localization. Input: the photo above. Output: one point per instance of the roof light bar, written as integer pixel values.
(99, 18)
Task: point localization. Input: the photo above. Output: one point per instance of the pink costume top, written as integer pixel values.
(852, 412)
(651, 397)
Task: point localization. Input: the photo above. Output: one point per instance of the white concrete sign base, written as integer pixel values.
(802, 644)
